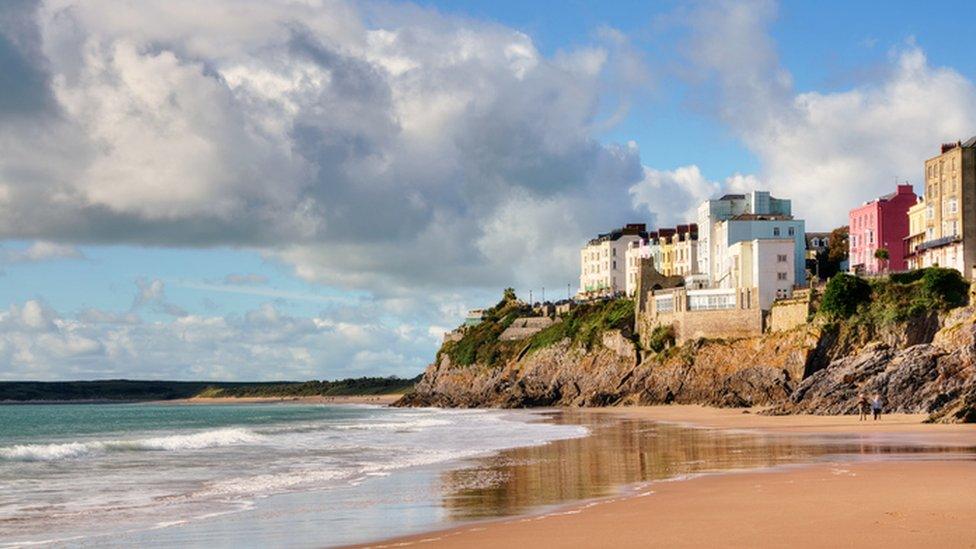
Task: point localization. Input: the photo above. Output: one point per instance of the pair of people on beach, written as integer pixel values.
(874, 405)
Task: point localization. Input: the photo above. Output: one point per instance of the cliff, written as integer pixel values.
(918, 354)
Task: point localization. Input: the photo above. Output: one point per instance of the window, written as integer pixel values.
(780, 276)
(781, 258)
(615, 264)
(775, 231)
(952, 206)
(791, 231)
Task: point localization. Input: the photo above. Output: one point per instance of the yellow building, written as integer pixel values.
(667, 255)
(950, 209)
(916, 234)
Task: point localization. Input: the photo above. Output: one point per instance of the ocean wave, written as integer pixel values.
(74, 450)
(270, 483)
(394, 425)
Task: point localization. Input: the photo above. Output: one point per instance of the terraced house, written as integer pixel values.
(948, 236)
(603, 267)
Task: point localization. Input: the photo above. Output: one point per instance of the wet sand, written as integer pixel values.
(807, 481)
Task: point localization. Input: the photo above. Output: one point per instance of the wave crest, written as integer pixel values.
(74, 450)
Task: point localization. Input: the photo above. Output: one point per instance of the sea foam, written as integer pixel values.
(74, 450)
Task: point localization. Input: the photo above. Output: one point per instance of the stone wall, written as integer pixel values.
(746, 320)
(649, 280)
(717, 324)
(787, 314)
(526, 326)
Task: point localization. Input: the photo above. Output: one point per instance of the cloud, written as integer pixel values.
(41, 251)
(37, 342)
(152, 293)
(850, 145)
(246, 279)
(368, 148)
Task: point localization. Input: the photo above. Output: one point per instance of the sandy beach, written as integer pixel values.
(894, 502)
(370, 399)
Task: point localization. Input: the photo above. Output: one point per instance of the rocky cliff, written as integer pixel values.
(924, 362)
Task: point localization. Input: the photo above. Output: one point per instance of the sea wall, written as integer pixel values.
(787, 314)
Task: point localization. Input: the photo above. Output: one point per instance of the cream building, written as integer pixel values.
(917, 232)
(950, 209)
(765, 264)
(684, 250)
(674, 250)
(603, 267)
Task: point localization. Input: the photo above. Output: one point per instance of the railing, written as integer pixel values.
(938, 242)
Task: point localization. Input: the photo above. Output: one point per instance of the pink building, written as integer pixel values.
(881, 223)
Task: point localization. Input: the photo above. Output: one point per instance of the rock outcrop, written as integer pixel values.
(936, 377)
(925, 365)
(743, 372)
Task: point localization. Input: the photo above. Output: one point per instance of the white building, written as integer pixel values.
(636, 250)
(603, 267)
(765, 264)
(739, 217)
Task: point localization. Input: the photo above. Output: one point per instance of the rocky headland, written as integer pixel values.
(910, 339)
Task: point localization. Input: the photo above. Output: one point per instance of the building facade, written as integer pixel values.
(737, 217)
(603, 269)
(766, 265)
(950, 209)
(748, 227)
(683, 247)
(674, 251)
(880, 224)
(916, 235)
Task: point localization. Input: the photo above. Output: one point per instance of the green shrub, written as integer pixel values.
(586, 324)
(843, 295)
(661, 338)
(945, 287)
(907, 277)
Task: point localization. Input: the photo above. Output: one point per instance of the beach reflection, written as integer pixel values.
(625, 452)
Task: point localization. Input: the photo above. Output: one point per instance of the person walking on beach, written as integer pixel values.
(876, 406)
(862, 407)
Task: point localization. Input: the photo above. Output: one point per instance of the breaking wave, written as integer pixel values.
(74, 450)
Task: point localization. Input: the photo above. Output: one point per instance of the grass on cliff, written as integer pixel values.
(586, 324)
(481, 344)
(893, 299)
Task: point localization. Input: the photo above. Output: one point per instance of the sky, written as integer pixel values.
(318, 189)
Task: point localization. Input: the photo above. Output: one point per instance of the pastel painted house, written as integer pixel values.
(881, 223)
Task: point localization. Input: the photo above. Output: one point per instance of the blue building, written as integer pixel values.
(744, 217)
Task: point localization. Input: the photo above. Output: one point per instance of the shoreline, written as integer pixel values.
(383, 400)
(906, 501)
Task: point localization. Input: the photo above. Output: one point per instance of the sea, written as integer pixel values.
(326, 475)
(250, 475)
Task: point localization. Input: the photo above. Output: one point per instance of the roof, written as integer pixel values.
(633, 229)
(761, 217)
(971, 142)
(733, 197)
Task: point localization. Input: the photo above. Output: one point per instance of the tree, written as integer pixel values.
(883, 255)
(837, 250)
(509, 294)
(838, 245)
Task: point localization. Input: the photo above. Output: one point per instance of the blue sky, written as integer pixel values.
(293, 193)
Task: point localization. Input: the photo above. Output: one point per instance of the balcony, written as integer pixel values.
(938, 243)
